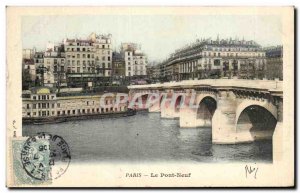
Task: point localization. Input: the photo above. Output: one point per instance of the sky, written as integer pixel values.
(158, 35)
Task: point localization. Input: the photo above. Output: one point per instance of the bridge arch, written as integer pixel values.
(206, 104)
(257, 118)
(206, 108)
(145, 99)
(139, 101)
(265, 104)
(178, 103)
(161, 98)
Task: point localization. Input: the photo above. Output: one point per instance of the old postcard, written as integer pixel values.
(150, 97)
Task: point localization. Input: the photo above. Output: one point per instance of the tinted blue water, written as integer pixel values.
(147, 137)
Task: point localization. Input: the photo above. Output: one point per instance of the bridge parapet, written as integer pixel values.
(269, 85)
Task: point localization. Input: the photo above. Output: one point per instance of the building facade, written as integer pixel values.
(118, 66)
(39, 65)
(274, 67)
(135, 60)
(28, 53)
(54, 68)
(103, 53)
(44, 102)
(208, 58)
(29, 69)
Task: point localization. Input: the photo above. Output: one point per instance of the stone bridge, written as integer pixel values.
(237, 110)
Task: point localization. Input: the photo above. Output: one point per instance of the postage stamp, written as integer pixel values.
(45, 156)
(40, 158)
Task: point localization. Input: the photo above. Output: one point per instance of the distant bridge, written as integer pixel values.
(237, 110)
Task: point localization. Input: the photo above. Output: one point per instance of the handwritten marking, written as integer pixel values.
(15, 129)
(251, 170)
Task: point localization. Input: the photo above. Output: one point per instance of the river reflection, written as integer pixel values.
(146, 137)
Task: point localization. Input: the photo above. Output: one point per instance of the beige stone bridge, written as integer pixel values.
(237, 110)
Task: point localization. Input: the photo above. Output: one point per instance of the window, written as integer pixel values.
(216, 62)
(103, 46)
(28, 106)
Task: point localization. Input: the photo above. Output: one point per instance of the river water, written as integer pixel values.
(146, 137)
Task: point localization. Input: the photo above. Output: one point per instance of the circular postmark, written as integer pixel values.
(45, 156)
